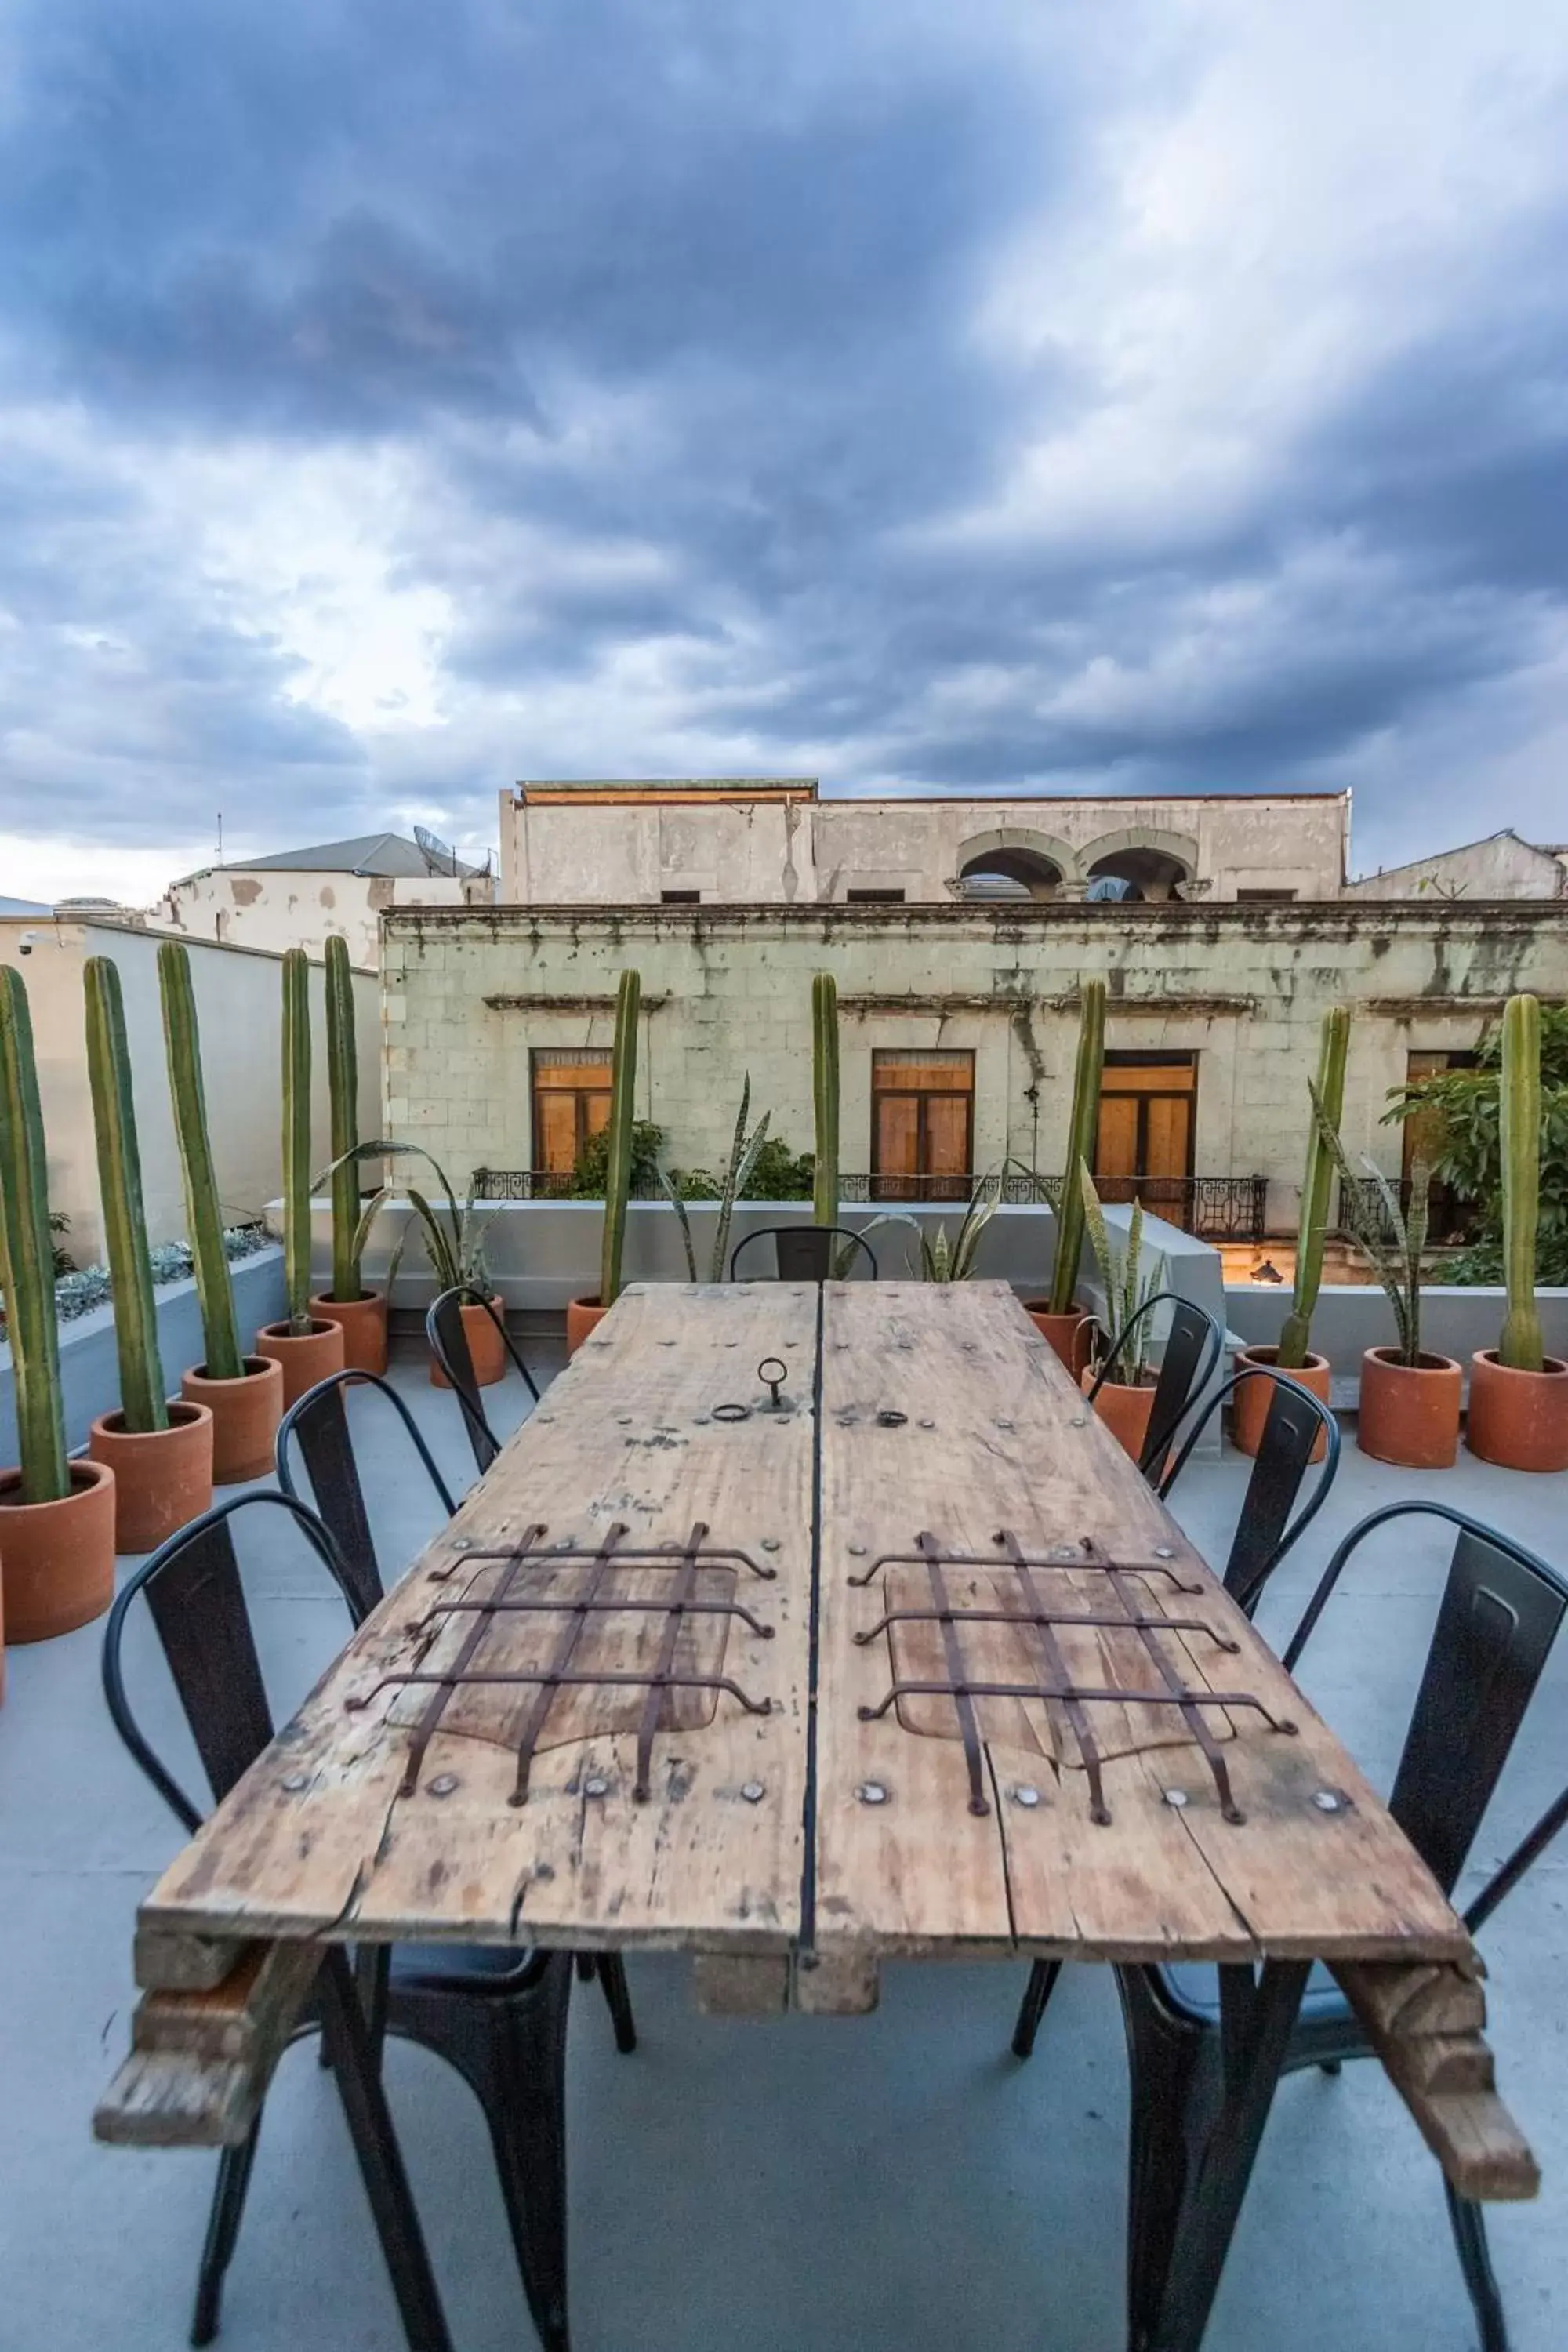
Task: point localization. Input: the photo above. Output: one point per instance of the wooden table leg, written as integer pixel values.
(1199, 2103)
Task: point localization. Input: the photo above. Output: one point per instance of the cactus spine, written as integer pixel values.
(1316, 1184)
(27, 1256)
(142, 1399)
(825, 1096)
(1520, 1347)
(1081, 1144)
(342, 1087)
(618, 1160)
(203, 1219)
(297, 1139)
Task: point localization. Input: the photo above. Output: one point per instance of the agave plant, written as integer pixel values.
(1126, 1287)
(743, 1152)
(942, 1260)
(454, 1238)
(1398, 1265)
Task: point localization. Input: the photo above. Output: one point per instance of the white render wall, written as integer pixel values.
(1502, 867)
(238, 994)
(803, 853)
(730, 993)
(273, 909)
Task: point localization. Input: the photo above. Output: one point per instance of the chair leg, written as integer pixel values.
(223, 2232)
(523, 2095)
(1037, 1993)
(380, 2158)
(611, 1971)
(1476, 2261)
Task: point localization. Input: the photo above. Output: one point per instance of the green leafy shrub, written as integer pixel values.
(1460, 1114)
(593, 1163)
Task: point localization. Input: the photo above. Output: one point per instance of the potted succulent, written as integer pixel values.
(1059, 1318)
(360, 1313)
(1126, 1398)
(1519, 1394)
(454, 1239)
(1409, 1397)
(582, 1314)
(743, 1152)
(1252, 1400)
(308, 1346)
(161, 1452)
(243, 1394)
(57, 1517)
(942, 1260)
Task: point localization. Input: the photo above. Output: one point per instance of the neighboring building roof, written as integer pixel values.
(22, 906)
(367, 853)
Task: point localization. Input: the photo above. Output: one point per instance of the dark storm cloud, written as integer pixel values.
(666, 321)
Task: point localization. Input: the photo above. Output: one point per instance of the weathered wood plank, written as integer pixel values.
(201, 2061)
(318, 1841)
(1423, 2025)
(164, 2098)
(995, 1435)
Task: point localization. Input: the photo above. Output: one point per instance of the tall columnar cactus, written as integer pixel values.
(618, 1160)
(297, 1138)
(27, 1256)
(825, 1096)
(204, 1218)
(1317, 1184)
(1520, 1347)
(1081, 1144)
(142, 1399)
(342, 1088)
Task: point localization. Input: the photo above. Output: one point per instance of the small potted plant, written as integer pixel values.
(454, 1239)
(1126, 1399)
(57, 1517)
(1251, 1400)
(1519, 1394)
(1059, 1318)
(243, 1394)
(583, 1314)
(1409, 1397)
(360, 1313)
(308, 1346)
(939, 1259)
(161, 1452)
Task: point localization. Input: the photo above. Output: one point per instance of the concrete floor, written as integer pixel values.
(895, 2184)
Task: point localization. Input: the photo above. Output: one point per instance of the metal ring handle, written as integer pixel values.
(731, 1412)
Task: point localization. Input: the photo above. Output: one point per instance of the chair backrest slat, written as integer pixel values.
(319, 1424)
(1494, 1632)
(1265, 1530)
(198, 1605)
(803, 1253)
(449, 1345)
(1192, 1349)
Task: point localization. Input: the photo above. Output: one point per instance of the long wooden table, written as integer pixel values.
(903, 1660)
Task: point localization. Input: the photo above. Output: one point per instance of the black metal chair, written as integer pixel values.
(1263, 1534)
(1191, 1350)
(449, 1346)
(318, 1424)
(805, 1253)
(498, 2017)
(1500, 1614)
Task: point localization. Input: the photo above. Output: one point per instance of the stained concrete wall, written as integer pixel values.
(238, 994)
(467, 997)
(274, 909)
(557, 852)
(1503, 867)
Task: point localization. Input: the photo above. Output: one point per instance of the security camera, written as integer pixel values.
(27, 942)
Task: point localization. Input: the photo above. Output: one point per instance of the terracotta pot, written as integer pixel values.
(1520, 1419)
(162, 1477)
(1250, 1403)
(1068, 1333)
(1125, 1411)
(582, 1316)
(1409, 1412)
(246, 1414)
(487, 1349)
(362, 1322)
(306, 1357)
(57, 1559)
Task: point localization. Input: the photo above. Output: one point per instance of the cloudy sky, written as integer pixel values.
(400, 399)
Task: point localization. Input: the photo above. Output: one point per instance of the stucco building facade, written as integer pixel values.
(1214, 1023)
(760, 840)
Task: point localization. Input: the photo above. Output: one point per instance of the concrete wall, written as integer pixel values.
(238, 1004)
(1501, 867)
(273, 909)
(1352, 1317)
(89, 1363)
(465, 998)
(565, 852)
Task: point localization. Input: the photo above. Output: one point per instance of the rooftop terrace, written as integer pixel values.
(896, 2183)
